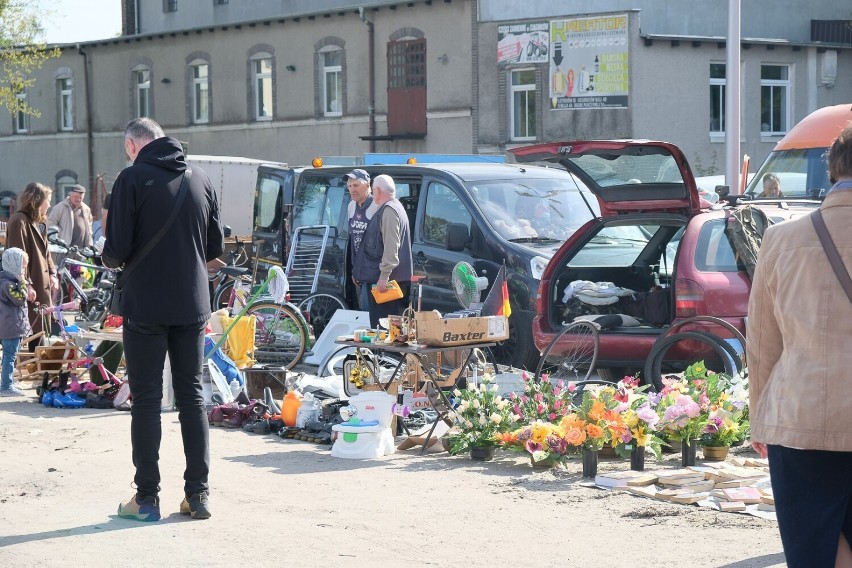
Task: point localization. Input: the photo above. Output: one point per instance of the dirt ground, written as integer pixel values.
(289, 503)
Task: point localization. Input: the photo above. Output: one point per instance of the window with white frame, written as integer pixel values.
(262, 85)
(332, 74)
(22, 118)
(200, 93)
(142, 92)
(522, 103)
(169, 5)
(774, 99)
(717, 98)
(65, 88)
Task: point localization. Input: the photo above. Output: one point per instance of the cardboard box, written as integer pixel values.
(437, 331)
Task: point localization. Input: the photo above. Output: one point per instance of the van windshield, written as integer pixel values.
(534, 208)
(801, 172)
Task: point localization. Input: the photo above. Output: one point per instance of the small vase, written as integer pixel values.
(637, 458)
(482, 453)
(673, 447)
(687, 452)
(715, 453)
(590, 463)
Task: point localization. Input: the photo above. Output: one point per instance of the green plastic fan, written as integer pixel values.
(467, 285)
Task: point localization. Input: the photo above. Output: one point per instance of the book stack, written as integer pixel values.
(630, 478)
(683, 486)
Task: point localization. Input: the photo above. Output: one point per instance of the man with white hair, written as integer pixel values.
(385, 250)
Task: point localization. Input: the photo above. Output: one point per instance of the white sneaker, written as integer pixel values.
(13, 390)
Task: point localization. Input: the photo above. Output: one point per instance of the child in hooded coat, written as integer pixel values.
(14, 323)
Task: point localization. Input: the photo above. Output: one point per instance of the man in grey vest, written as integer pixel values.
(385, 250)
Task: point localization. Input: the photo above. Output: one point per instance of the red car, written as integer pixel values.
(657, 254)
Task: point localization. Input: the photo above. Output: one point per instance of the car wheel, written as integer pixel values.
(519, 350)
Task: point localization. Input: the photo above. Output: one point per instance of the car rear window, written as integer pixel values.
(714, 251)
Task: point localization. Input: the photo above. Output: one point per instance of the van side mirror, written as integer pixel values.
(227, 230)
(457, 236)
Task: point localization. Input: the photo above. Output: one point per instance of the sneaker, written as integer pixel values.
(145, 509)
(13, 390)
(197, 505)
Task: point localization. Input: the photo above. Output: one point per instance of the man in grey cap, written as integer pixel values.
(73, 218)
(361, 209)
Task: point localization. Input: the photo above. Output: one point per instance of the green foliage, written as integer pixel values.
(20, 53)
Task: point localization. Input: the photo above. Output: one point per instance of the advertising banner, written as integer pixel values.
(522, 43)
(589, 62)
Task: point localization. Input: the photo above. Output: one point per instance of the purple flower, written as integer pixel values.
(557, 444)
(647, 415)
(533, 447)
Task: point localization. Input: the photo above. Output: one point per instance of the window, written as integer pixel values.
(169, 5)
(22, 119)
(717, 98)
(200, 93)
(220, 2)
(142, 82)
(332, 72)
(262, 84)
(65, 88)
(443, 207)
(522, 110)
(774, 99)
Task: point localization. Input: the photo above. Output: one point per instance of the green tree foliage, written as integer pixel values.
(20, 52)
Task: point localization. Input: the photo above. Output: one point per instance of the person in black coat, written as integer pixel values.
(165, 304)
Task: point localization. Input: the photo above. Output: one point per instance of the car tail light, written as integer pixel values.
(689, 299)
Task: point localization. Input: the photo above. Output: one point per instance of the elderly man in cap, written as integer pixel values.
(73, 218)
(361, 209)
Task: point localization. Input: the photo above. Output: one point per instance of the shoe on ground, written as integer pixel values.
(197, 506)
(146, 509)
(13, 390)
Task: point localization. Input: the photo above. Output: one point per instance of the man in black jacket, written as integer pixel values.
(166, 304)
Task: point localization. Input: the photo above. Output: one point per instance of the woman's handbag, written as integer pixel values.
(116, 302)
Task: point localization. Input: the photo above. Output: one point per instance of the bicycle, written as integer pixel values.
(94, 301)
(233, 270)
(281, 331)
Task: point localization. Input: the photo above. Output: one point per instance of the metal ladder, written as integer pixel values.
(307, 249)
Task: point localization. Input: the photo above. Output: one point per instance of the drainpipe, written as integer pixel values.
(90, 142)
(371, 34)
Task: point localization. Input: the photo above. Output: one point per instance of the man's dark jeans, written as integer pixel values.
(145, 347)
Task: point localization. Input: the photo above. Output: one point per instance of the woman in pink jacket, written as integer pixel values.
(800, 375)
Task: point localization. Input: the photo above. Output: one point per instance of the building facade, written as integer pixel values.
(287, 81)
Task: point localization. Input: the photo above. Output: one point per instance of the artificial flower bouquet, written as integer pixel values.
(639, 416)
(728, 417)
(599, 417)
(543, 400)
(480, 414)
(683, 404)
(543, 441)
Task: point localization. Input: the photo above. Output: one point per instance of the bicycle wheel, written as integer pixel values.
(222, 295)
(280, 335)
(659, 359)
(572, 354)
(319, 308)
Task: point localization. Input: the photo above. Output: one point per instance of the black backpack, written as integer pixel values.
(744, 229)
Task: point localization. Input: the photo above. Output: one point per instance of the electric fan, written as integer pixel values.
(468, 286)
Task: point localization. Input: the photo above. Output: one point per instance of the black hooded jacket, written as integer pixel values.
(170, 286)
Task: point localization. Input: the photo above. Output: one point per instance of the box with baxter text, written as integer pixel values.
(436, 331)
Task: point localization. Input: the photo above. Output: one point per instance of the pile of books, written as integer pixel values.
(728, 485)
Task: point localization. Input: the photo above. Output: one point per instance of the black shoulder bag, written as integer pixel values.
(115, 304)
(831, 253)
